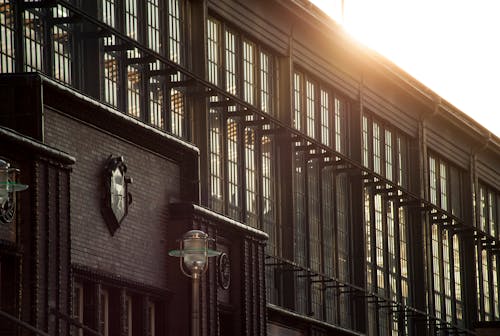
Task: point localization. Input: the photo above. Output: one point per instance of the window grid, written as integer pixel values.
(78, 307)
(297, 99)
(213, 29)
(233, 167)
(268, 194)
(110, 75)
(244, 70)
(486, 287)
(7, 54)
(315, 239)
(388, 156)
(177, 112)
(174, 32)
(365, 142)
(266, 93)
(342, 241)
(156, 83)
(61, 41)
(230, 66)
(215, 154)
(129, 313)
(385, 226)
(457, 278)
(152, 319)
(249, 72)
(134, 76)
(33, 40)
(134, 83)
(131, 18)
(310, 109)
(215, 132)
(494, 268)
(325, 117)
(492, 206)
(447, 276)
(436, 270)
(329, 239)
(377, 155)
(300, 210)
(340, 127)
(444, 191)
(249, 89)
(177, 97)
(104, 312)
(300, 230)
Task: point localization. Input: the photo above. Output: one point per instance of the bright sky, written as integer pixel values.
(451, 46)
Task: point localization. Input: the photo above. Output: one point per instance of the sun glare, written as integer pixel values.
(449, 45)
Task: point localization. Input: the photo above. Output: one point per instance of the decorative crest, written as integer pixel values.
(116, 198)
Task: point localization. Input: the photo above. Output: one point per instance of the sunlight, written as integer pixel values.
(449, 45)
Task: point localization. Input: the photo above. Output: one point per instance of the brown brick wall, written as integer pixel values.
(137, 251)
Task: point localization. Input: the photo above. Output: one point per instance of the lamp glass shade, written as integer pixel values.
(195, 252)
(8, 182)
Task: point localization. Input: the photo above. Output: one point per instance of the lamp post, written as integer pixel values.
(193, 256)
(8, 186)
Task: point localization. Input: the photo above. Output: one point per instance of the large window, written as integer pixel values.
(445, 188)
(320, 203)
(137, 86)
(241, 155)
(486, 260)
(385, 152)
(47, 43)
(319, 112)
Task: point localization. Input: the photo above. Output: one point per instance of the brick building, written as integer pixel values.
(349, 198)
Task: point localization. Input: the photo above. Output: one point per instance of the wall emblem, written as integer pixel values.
(224, 269)
(116, 198)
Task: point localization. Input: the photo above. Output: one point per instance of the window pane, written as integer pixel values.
(249, 72)
(310, 108)
(6, 37)
(297, 100)
(61, 40)
(33, 40)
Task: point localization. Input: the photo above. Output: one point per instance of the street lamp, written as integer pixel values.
(193, 256)
(8, 186)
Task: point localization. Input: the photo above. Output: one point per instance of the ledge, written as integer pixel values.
(188, 210)
(296, 316)
(6, 134)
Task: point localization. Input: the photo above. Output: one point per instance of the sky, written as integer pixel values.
(451, 46)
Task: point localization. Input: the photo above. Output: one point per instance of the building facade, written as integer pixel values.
(347, 198)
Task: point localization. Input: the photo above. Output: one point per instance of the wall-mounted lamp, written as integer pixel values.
(8, 186)
(193, 259)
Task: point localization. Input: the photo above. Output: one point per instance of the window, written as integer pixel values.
(445, 192)
(320, 201)
(241, 168)
(104, 312)
(129, 315)
(33, 40)
(78, 306)
(121, 310)
(6, 37)
(486, 260)
(319, 112)
(142, 89)
(385, 152)
(488, 215)
(62, 47)
(152, 319)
